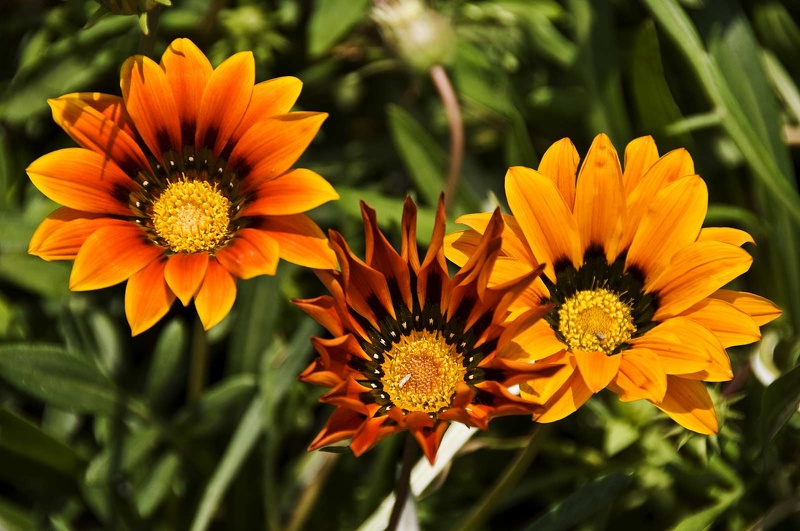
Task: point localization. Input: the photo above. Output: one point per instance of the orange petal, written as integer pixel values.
(559, 163)
(429, 439)
(250, 253)
(149, 100)
(667, 169)
(111, 107)
(597, 369)
(760, 309)
(89, 128)
(271, 146)
(147, 297)
(294, 192)
(544, 217)
(514, 243)
(342, 425)
(672, 223)
(683, 346)
(572, 395)
(216, 295)
(270, 98)
(640, 154)
(110, 255)
(225, 101)
(187, 71)
(61, 234)
(83, 180)
(688, 403)
(600, 200)
(301, 240)
(369, 434)
(184, 274)
(695, 273)
(641, 375)
(726, 235)
(732, 326)
(534, 343)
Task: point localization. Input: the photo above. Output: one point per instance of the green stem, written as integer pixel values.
(148, 42)
(410, 451)
(511, 475)
(456, 123)
(198, 368)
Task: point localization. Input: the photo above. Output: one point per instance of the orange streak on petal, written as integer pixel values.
(216, 296)
(688, 403)
(600, 199)
(250, 253)
(187, 71)
(184, 274)
(147, 297)
(559, 163)
(110, 255)
(695, 273)
(301, 240)
(640, 154)
(597, 369)
(760, 309)
(270, 98)
(293, 192)
(546, 220)
(83, 180)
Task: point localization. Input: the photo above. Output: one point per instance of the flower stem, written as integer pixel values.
(410, 451)
(148, 42)
(456, 123)
(511, 475)
(198, 368)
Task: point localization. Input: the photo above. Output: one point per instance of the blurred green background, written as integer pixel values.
(96, 428)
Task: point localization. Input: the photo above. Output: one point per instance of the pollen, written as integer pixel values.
(191, 216)
(595, 321)
(421, 372)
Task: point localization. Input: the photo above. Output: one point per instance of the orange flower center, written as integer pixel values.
(191, 216)
(595, 321)
(421, 372)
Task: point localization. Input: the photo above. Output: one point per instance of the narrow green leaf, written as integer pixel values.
(135, 449)
(702, 520)
(259, 305)
(26, 440)
(783, 83)
(15, 518)
(582, 504)
(58, 377)
(169, 355)
(780, 401)
(217, 407)
(331, 21)
(157, 486)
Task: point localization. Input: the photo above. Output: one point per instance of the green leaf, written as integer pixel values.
(169, 355)
(331, 21)
(15, 518)
(619, 435)
(58, 377)
(780, 401)
(158, 484)
(135, 449)
(217, 407)
(24, 439)
(259, 305)
(702, 520)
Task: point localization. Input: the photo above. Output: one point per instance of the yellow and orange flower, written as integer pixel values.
(413, 349)
(182, 184)
(632, 279)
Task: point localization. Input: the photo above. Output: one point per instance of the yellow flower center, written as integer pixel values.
(191, 216)
(421, 372)
(595, 321)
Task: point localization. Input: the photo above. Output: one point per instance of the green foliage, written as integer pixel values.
(99, 430)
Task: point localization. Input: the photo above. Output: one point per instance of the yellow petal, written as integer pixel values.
(688, 403)
(732, 326)
(559, 163)
(597, 369)
(640, 375)
(760, 309)
(640, 154)
(726, 235)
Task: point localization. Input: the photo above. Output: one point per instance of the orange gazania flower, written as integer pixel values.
(182, 184)
(633, 280)
(413, 349)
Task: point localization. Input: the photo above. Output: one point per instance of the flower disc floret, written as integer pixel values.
(191, 216)
(596, 320)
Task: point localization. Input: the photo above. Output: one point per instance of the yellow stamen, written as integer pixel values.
(421, 372)
(192, 216)
(596, 321)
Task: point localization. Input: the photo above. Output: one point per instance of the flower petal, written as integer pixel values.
(250, 253)
(149, 100)
(111, 107)
(110, 255)
(61, 234)
(559, 163)
(514, 243)
(89, 128)
(83, 180)
(566, 400)
(187, 71)
(216, 295)
(184, 274)
(760, 309)
(597, 369)
(688, 403)
(732, 326)
(695, 273)
(641, 375)
(726, 235)
(271, 146)
(147, 297)
(225, 101)
(672, 223)
(270, 98)
(534, 343)
(544, 217)
(342, 425)
(293, 192)
(600, 200)
(301, 240)
(640, 154)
